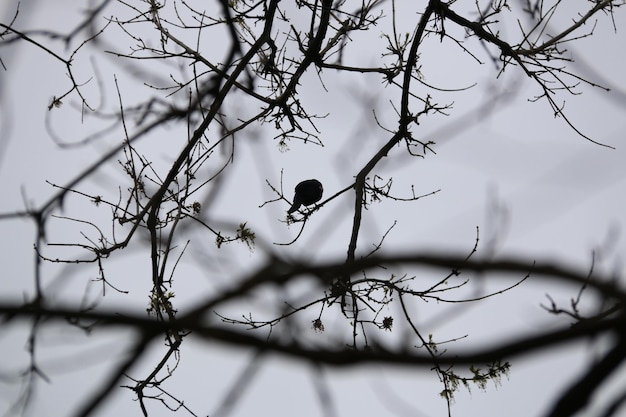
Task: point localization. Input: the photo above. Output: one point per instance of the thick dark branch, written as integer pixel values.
(502, 350)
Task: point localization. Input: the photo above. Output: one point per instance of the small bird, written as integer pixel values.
(307, 193)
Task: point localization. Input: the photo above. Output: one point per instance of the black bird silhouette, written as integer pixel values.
(307, 193)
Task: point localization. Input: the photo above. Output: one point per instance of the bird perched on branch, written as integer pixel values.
(307, 192)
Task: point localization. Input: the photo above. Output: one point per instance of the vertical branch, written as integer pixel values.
(405, 119)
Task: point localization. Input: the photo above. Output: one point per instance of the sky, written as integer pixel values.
(507, 166)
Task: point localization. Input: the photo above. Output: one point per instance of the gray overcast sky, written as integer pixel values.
(514, 168)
